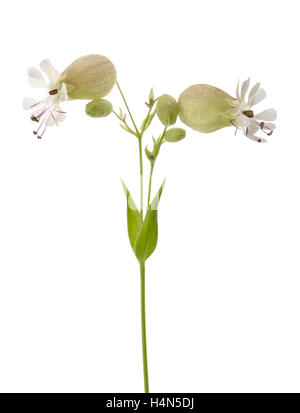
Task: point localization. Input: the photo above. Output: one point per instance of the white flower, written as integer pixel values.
(46, 112)
(245, 118)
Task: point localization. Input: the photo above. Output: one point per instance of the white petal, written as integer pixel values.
(252, 128)
(253, 92)
(243, 121)
(238, 90)
(35, 78)
(29, 103)
(50, 120)
(63, 88)
(269, 114)
(258, 97)
(50, 71)
(245, 87)
(60, 115)
(63, 93)
(56, 116)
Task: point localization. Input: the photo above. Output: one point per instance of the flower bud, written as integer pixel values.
(167, 110)
(89, 77)
(98, 108)
(205, 108)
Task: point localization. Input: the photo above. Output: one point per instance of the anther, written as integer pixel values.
(39, 137)
(262, 125)
(248, 113)
(53, 92)
(35, 132)
(270, 133)
(34, 119)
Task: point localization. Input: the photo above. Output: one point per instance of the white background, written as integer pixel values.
(223, 285)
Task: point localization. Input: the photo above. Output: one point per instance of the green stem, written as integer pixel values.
(128, 110)
(139, 136)
(115, 113)
(143, 320)
(141, 177)
(150, 183)
(160, 142)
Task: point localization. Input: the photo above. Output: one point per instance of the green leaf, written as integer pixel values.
(146, 240)
(174, 135)
(147, 121)
(133, 218)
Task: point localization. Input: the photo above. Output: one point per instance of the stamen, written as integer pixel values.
(258, 139)
(265, 128)
(236, 127)
(248, 113)
(41, 114)
(59, 111)
(34, 118)
(37, 131)
(35, 104)
(47, 112)
(46, 125)
(40, 136)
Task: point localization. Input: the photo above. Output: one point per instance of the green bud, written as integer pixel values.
(89, 77)
(122, 115)
(98, 108)
(206, 108)
(151, 97)
(174, 135)
(167, 110)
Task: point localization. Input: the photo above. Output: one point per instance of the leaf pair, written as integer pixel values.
(142, 234)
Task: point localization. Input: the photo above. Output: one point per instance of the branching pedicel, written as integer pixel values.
(204, 108)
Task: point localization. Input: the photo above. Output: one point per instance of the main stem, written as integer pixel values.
(143, 321)
(139, 135)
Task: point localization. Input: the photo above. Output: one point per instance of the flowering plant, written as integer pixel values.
(203, 108)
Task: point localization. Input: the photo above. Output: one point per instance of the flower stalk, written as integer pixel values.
(139, 135)
(143, 324)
